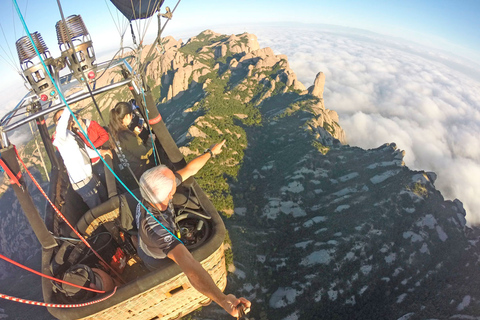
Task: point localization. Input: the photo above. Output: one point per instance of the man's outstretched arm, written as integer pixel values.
(203, 282)
(196, 164)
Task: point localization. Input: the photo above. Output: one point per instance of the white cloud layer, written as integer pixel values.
(386, 90)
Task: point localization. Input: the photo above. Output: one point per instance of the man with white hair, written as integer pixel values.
(158, 185)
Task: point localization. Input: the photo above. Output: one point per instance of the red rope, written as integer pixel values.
(53, 305)
(46, 276)
(65, 219)
(13, 178)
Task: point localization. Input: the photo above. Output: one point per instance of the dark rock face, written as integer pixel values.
(17, 240)
(352, 234)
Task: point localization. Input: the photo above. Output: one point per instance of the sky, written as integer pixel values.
(396, 71)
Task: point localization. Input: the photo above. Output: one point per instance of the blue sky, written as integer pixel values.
(447, 24)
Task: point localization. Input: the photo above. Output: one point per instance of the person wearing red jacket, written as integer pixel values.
(98, 136)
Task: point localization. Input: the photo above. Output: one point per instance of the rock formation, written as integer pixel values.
(318, 85)
(253, 74)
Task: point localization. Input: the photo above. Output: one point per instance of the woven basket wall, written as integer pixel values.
(171, 299)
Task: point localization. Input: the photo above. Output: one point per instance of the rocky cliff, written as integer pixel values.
(251, 74)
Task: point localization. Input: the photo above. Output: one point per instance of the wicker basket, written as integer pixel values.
(171, 299)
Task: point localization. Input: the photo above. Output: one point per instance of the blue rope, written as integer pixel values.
(78, 123)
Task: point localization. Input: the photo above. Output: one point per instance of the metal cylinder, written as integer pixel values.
(73, 30)
(26, 51)
(33, 70)
(76, 47)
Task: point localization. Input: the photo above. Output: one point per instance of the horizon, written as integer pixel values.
(442, 25)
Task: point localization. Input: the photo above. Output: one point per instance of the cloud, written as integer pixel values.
(387, 90)
(20, 135)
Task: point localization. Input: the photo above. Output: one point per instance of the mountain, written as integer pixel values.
(319, 229)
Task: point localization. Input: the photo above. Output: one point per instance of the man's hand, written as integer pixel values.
(231, 305)
(105, 152)
(217, 147)
(196, 164)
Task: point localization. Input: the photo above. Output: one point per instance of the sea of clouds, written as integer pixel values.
(390, 90)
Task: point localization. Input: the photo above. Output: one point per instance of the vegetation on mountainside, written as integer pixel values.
(227, 111)
(419, 189)
(230, 105)
(194, 47)
(218, 124)
(320, 147)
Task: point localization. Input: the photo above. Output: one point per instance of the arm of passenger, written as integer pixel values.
(196, 164)
(102, 134)
(62, 125)
(203, 282)
(91, 153)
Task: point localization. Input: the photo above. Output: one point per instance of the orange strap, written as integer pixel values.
(155, 120)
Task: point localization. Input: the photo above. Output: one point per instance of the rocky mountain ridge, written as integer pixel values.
(254, 74)
(320, 229)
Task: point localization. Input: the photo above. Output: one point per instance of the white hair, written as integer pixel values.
(155, 185)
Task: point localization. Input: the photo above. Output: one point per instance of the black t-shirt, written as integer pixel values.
(136, 153)
(154, 239)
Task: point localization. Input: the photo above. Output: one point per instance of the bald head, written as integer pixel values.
(157, 184)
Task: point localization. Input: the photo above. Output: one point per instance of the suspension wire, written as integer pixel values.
(130, 21)
(119, 24)
(135, 17)
(147, 24)
(150, 130)
(47, 276)
(26, 5)
(133, 34)
(9, 63)
(53, 305)
(83, 131)
(111, 61)
(115, 22)
(83, 74)
(11, 56)
(13, 23)
(160, 33)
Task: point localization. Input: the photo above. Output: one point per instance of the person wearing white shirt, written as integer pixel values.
(76, 157)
